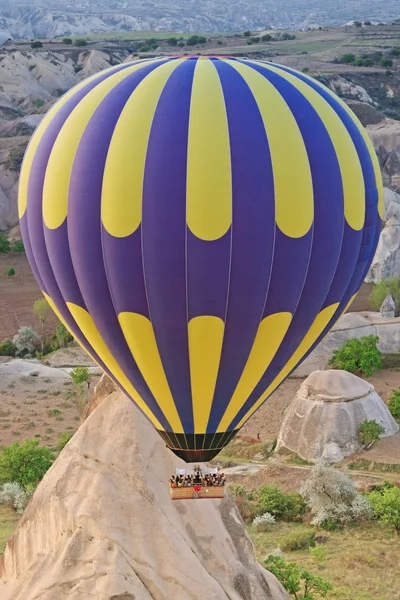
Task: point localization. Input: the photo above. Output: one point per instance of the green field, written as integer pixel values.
(138, 35)
(361, 563)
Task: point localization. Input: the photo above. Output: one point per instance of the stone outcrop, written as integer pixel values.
(323, 420)
(388, 308)
(101, 526)
(385, 137)
(353, 325)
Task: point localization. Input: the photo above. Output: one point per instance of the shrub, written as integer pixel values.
(358, 356)
(298, 582)
(67, 41)
(255, 40)
(11, 272)
(173, 41)
(39, 102)
(266, 38)
(347, 58)
(395, 51)
(181, 44)
(63, 336)
(305, 70)
(7, 348)
(41, 309)
(26, 341)
(263, 522)
(17, 246)
(386, 505)
(271, 499)
(370, 432)
(80, 42)
(237, 490)
(390, 285)
(14, 495)
(194, 40)
(386, 62)
(332, 498)
(298, 540)
(5, 246)
(25, 463)
(394, 404)
(36, 45)
(247, 33)
(63, 441)
(318, 554)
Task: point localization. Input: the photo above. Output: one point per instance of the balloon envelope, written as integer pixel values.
(199, 224)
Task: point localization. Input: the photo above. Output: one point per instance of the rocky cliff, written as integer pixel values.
(101, 526)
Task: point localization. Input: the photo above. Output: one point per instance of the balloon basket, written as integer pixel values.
(188, 493)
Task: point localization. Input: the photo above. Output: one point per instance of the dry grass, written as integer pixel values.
(361, 563)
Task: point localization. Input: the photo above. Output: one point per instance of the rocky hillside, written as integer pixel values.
(49, 18)
(101, 525)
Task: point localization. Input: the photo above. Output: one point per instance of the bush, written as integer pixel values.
(26, 341)
(288, 507)
(370, 432)
(247, 33)
(386, 505)
(173, 41)
(394, 404)
(194, 40)
(358, 356)
(63, 441)
(237, 490)
(305, 70)
(386, 62)
(25, 463)
(255, 40)
(67, 41)
(332, 498)
(298, 540)
(15, 496)
(7, 348)
(298, 582)
(347, 58)
(17, 246)
(390, 285)
(263, 522)
(395, 51)
(5, 246)
(11, 272)
(80, 42)
(36, 45)
(266, 38)
(63, 336)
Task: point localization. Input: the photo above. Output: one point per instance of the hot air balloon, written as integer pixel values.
(199, 224)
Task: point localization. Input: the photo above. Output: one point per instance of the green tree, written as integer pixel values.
(394, 404)
(255, 40)
(181, 44)
(81, 375)
(26, 341)
(173, 41)
(42, 309)
(39, 102)
(395, 51)
(298, 582)
(80, 42)
(386, 504)
(390, 285)
(63, 336)
(35, 45)
(358, 356)
(5, 246)
(67, 41)
(24, 463)
(17, 246)
(279, 504)
(386, 62)
(347, 58)
(266, 38)
(7, 348)
(358, 23)
(370, 432)
(247, 33)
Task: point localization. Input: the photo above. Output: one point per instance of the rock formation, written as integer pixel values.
(388, 307)
(101, 526)
(353, 325)
(323, 420)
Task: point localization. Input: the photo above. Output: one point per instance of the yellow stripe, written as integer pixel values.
(139, 335)
(315, 330)
(346, 153)
(294, 197)
(59, 167)
(361, 129)
(209, 179)
(121, 203)
(206, 334)
(37, 137)
(91, 333)
(269, 337)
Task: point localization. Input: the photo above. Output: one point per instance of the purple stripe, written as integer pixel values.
(253, 233)
(164, 231)
(84, 230)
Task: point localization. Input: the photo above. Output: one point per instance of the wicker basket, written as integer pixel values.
(188, 493)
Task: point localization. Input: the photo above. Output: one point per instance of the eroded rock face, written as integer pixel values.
(101, 525)
(323, 420)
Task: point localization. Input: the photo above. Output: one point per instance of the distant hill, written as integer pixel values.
(49, 18)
